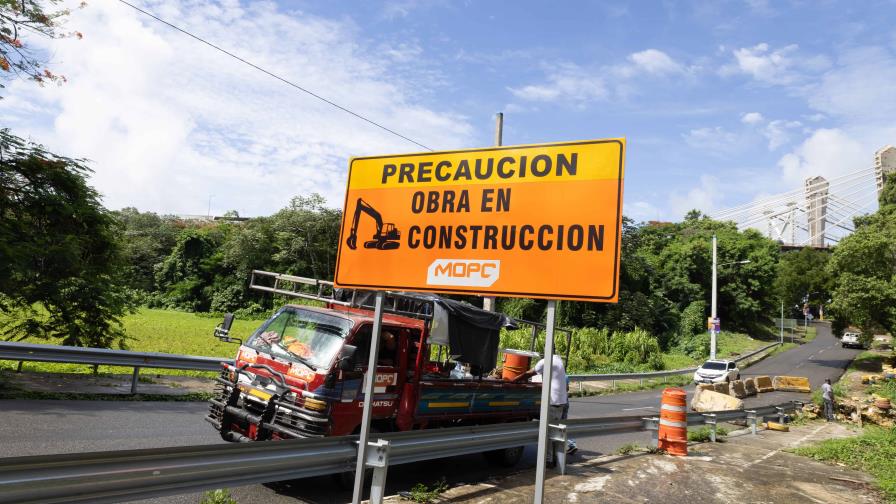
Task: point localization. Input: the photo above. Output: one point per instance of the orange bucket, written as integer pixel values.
(515, 363)
(673, 434)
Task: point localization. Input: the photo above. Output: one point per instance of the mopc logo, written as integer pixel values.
(464, 272)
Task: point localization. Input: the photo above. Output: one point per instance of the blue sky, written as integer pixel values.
(721, 102)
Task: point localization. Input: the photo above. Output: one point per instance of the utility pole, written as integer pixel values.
(782, 322)
(712, 331)
(488, 303)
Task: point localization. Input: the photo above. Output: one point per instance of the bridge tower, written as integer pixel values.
(816, 209)
(884, 165)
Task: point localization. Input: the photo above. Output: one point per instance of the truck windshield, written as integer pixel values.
(717, 366)
(302, 336)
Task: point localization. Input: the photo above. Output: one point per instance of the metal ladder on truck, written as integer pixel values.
(413, 305)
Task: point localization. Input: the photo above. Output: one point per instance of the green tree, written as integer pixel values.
(863, 266)
(146, 240)
(801, 273)
(59, 254)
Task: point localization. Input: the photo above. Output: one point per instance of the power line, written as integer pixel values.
(293, 84)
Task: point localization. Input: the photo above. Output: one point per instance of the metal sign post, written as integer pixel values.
(543, 420)
(368, 397)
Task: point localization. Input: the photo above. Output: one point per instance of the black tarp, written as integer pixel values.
(473, 334)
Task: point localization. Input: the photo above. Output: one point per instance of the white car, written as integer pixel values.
(851, 340)
(717, 371)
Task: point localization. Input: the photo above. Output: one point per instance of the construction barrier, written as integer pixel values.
(673, 433)
(750, 387)
(775, 426)
(707, 400)
(792, 384)
(764, 384)
(721, 388)
(736, 389)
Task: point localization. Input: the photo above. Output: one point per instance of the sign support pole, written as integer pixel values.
(712, 331)
(488, 303)
(547, 371)
(368, 397)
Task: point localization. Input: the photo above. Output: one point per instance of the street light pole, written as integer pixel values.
(712, 332)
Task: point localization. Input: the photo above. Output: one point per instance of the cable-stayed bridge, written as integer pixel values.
(820, 213)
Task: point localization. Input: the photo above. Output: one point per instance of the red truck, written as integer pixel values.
(301, 375)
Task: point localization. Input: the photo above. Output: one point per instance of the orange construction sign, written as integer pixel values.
(538, 221)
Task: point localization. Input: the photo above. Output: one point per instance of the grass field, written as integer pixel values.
(874, 452)
(163, 331)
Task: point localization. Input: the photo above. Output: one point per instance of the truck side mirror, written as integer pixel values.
(222, 331)
(347, 358)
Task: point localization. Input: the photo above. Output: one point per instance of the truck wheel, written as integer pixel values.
(508, 457)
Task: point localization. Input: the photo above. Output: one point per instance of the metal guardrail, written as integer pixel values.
(135, 474)
(656, 374)
(105, 357)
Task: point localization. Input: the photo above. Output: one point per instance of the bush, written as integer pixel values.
(692, 321)
(874, 452)
(220, 496)
(701, 435)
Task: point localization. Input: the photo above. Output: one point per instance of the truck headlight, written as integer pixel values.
(315, 404)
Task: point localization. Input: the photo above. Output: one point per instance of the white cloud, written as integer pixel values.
(566, 82)
(860, 88)
(572, 83)
(752, 118)
(779, 132)
(655, 62)
(774, 66)
(704, 197)
(167, 122)
(717, 139)
(827, 152)
(640, 211)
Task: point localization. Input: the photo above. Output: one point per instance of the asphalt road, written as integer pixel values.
(45, 427)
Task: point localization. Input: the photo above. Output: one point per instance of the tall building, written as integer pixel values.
(816, 208)
(884, 165)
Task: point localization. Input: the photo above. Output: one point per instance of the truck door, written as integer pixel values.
(386, 387)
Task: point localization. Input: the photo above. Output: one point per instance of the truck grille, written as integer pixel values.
(302, 422)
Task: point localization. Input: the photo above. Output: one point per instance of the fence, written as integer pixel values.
(658, 374)
(135, 474)
(100, 356)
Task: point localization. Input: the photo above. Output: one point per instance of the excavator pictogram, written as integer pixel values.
(387, 236)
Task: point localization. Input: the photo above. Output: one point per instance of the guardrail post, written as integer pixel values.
(581, 388)
(19, 367)
(751, 419)
(134, 378)
(710, 420)
(378, 459)
(780, 414)
(614, 384)
(653, 425)
(558, 433)
(641, 382)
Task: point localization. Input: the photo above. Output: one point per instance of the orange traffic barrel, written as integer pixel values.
(516, 362)
(673, 434)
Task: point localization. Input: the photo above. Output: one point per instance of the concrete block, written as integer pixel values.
(764, 384)
(792, 384)
(721, 388)
(750, 387)
(737, 389)
(708, 400)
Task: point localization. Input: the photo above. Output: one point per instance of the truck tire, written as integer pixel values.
(507, 457)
